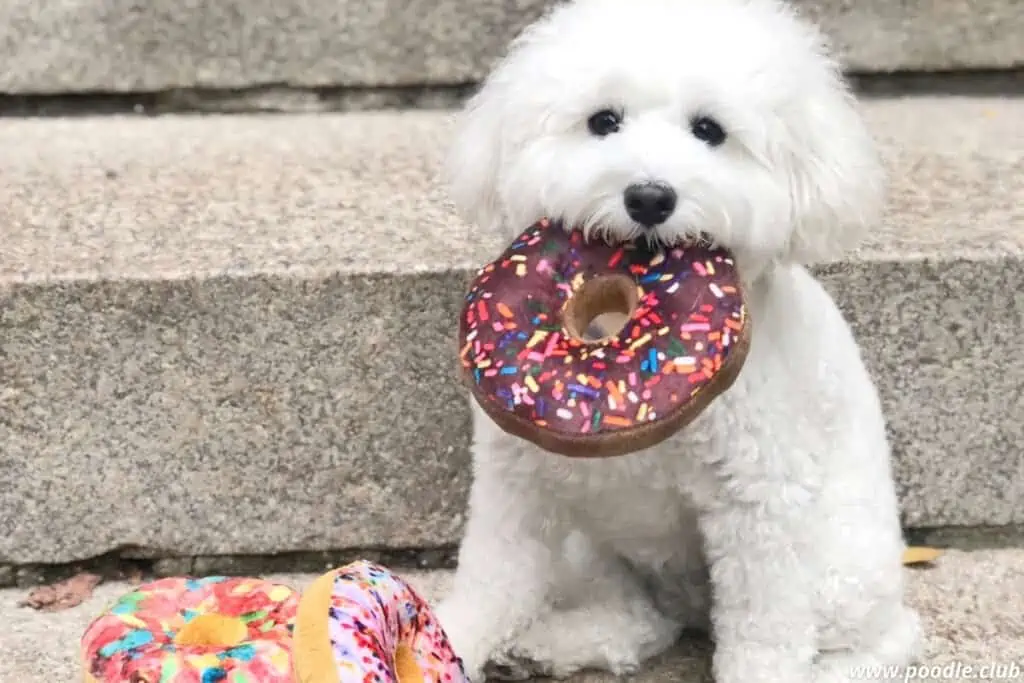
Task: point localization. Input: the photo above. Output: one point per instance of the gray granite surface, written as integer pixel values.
(229, 335)
(970, 603)
(147, 45)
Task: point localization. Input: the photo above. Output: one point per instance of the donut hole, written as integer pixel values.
(212, 630)
(601, 307)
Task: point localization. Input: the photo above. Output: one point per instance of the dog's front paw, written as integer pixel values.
(508, 665)
(559, 653)
(760, 664)
(463, 639)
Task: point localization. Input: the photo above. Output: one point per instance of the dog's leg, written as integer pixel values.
(506, 555)
(762, 614)
(602, 618)
(503, 573)
(884, 657)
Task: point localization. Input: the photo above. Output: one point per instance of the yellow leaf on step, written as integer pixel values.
(920, 555)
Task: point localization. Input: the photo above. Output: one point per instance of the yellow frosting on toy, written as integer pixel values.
(406, 668)
(214, 630)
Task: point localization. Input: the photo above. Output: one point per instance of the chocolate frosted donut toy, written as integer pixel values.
(531, 364)
(184, 630)
(361, 623)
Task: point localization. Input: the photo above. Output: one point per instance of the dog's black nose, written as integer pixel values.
(650, 204)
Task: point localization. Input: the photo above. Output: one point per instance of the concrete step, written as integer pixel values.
(129, 46)
(970, 603)
(235, 335)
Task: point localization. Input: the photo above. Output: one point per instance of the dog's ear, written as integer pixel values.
(836, 180)
(475, 158)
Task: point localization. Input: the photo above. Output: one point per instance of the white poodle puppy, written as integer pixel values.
(772, 519)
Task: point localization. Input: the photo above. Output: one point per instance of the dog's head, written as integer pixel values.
(671, 119)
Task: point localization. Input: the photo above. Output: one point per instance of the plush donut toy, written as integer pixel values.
(183, 630)
(530, 363)
(363, 624)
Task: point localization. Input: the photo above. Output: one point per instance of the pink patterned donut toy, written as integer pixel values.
(363, 624)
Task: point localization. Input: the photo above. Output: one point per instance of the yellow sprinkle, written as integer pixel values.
(207, 661)
(658, 259)
(666, 277)
(521, 270)
(537, 338)
(582, 379)
(640, 342)
(133, 620)
(279, 593)
(663, 331)
(641, 413)
(709, 267)
(484, 364)
(280, 659)
(577, 281)
(518, 258)
(531, 384)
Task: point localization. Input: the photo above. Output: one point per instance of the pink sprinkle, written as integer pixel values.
(699, 267)
(646, 395)
(632, 379)
(695, 327)
(585, 409)
(491, 372)
(552, 340)
(623, 359)
(535, 357)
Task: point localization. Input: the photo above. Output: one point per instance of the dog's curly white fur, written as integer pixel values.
(772, 519)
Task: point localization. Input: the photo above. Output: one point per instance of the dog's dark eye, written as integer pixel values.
(708, 130)
(604, 122)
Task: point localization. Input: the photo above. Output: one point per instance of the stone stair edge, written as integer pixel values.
(121, 564)
(177, 197)
(116, 47)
